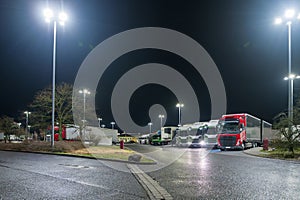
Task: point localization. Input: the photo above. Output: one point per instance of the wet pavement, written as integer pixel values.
(181, 173)
(229, 175)
(37, 176)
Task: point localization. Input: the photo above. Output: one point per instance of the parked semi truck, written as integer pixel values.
(210, 134)
(191, 135)
(163, 136)
(240, 131)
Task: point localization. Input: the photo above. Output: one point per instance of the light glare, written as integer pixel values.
(179, 105)
(278, 20)
(289, 13)
(48, 13)
(63, 16)
(292, 76)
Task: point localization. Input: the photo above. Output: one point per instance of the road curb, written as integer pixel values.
(154, 190)
(86, 157)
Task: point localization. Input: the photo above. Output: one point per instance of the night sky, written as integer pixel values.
(240, 36)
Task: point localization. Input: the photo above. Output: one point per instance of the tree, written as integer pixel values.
(8, 126)
(41, 107)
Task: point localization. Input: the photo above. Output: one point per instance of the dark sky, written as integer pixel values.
(248, 49)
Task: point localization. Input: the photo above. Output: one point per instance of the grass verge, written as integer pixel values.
(75, 148)
(280, 153)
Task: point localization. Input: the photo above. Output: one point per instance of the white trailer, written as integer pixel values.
(72, 133)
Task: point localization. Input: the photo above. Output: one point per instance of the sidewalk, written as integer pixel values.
(254, 151)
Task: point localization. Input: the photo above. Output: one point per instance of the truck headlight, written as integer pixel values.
(202, 143)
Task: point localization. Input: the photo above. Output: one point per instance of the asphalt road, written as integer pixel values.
(184, 173)
(203, 174)
(36, 176)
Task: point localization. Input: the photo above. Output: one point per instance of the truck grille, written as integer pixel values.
(228, 141)
(195, 140)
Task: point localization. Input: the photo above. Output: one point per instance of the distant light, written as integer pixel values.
(150, 123)
(298, 16)
(278, 20)
(289, 13)
(297, 77)
(285, 78)
(85, 91)
(179, 105)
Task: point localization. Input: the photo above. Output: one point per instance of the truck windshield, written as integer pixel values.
(230, 127)
(211, 131)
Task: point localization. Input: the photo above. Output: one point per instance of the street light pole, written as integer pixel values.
(53, 83)
(289, 15)
(291, 82)
(29, 129)
(161, 118)
(27, 119)
(84, 92)
(112, 125)
(150, 124)
(49, 16)
(99, 120)
(179, 106)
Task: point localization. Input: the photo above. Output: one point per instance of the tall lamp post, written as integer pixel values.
(150, 124)
(27, 113)
(161, 118)
(84, 92)
(29, 129)
(61, 18)
(112, 124)
(179, 106)
(289, 16)
(99, 121)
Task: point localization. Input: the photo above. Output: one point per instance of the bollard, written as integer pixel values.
(265, 144)
(121, 144)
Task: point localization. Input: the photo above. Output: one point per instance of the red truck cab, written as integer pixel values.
(232, 132)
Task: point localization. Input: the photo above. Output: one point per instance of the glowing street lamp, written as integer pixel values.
(60, 18)
(289, 16)
(161, 118)
(179, 106)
